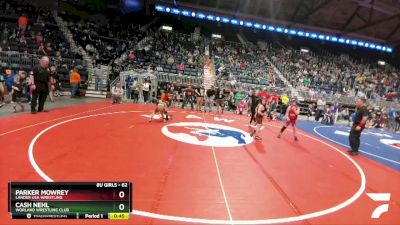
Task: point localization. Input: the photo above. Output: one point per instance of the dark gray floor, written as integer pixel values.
(62, 101)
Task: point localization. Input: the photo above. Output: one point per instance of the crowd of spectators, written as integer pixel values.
(239, 63)
(104, 42)
(337, 75)
(31, 30)
(170, 52)
(28, 32)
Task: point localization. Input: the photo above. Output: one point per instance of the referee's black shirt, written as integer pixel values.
(360, 113)
(41, 77)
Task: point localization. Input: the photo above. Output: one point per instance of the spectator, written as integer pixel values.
(238, 97)
(310, 111)
(383, 119)
(53, 81)
(131, 56)
(98, 72)
(128, 85)
(159, 68)
(16, 94)
(241, 106)
(180, 67)
(48, 49)
(397, 121)
(75, 80)
(328, 116)
(116, 93)
(39, 39)
(5, 34)
(170, 60)
(136, 87)
(41, 51)
(22, 23)
(24, 80)
(146, 87)
(10, 79)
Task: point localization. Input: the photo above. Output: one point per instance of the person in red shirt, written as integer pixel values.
(275, 98)
(263, 94)
(292, 113)
(22, 23)
(272, 107)
(180, 67)
(243, 65)
(165, 97)
(383, 119)
(241, 106)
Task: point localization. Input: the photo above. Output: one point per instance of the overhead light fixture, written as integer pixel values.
(176, 11)
(225, 20)
(216, 36)
(305, 50)
(269, 28)
(201, 15)
(249, 24)
(160, 8)
(167, 28)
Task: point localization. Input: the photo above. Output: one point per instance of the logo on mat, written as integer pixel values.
(207, 134)
(391, 142)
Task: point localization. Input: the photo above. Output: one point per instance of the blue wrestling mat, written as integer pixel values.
(376, 144)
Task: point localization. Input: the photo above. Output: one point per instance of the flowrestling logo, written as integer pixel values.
(391, 142)
(207, 134)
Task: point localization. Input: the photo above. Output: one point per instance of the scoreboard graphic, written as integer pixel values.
(70, 200)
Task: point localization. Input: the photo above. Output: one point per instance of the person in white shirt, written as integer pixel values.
(146, 90)
(98, 72)
(159, 68)
(117, 92)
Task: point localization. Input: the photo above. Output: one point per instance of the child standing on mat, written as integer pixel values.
(260, 111)
(292, 113)
(16, 94)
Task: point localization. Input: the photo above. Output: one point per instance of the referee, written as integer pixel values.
(39, 84)
(360, 119)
